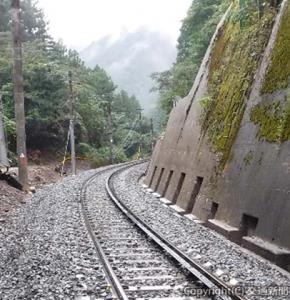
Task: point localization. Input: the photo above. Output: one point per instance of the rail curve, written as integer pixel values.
(120, 237)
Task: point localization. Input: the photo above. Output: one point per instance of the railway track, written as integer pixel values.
(138, 262)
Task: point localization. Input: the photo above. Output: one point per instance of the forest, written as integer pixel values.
(46, 84)
(195, 35)
(46, 64)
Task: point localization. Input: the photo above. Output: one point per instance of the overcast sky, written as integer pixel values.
(78, 23)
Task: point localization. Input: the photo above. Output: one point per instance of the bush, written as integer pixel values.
(84, 149)
(101, 157)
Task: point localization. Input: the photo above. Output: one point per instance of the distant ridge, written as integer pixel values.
(131, 59)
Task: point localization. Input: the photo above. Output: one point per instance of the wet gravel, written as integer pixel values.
(137, 262)
(45, 251)
(259, 278)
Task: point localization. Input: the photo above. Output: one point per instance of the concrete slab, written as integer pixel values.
(191, 217)
(232, 233)
(199, 222)
(156, 195)
(178, 209)
(165, 201)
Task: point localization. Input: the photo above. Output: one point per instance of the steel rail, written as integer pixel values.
(211, 281)
(117, 288)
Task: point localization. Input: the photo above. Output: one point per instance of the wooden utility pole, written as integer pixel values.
(140, 129)
(19, 95)
(72, 127)
(152, 135)
(110, 126)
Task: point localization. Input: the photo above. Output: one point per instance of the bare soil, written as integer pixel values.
(39, 175)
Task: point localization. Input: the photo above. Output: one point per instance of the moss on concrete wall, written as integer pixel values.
(234, 61)
(273, 121)
(278, 73)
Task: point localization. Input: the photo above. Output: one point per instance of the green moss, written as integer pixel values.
(204, 102)
(248, 158)
(278, 74)
(273, 121)
(234, 61)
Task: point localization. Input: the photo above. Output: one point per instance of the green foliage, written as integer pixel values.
(100, 157)
(205, 104)
(278, 74)
(10, 129)
(126, 105)
(273, 121)
(33, 24)
(84, 149)
(235, 58)
(196, 33)
(46, 64)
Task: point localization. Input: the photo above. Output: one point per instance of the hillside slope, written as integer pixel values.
(225, 154)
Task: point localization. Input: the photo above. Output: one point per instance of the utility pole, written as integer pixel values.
(140, 127)
(19, 95)
(72, 127)
(110, 126)
(152, 135)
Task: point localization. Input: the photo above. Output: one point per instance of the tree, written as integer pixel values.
(33, 24)
(195, 35)
(45, 68)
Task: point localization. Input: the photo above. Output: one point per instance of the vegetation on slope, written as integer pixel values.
(236, 56)
(46, 67)
(235, 59)
(278, 74)
(196, 32)
(273, 120)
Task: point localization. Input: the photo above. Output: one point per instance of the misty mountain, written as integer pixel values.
(131, 59)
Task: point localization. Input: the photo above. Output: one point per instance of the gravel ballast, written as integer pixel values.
(45, 250)
(233, 264)
(138, 263)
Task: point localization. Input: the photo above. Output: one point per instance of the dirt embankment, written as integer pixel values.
(39, 175)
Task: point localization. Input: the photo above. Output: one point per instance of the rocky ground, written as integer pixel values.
(10, 199)
(45, 251)
(39, 176)
(233, 264)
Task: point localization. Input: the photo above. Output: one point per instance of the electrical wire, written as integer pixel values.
(121, 147)
(65, 152)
